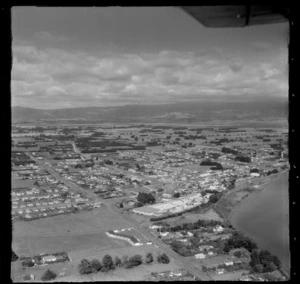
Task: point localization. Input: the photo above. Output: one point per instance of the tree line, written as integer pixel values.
(108, 264)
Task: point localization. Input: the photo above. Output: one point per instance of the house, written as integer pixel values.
(49, 258)
(28, 277)
(218, 229)
(220, 271)
(200, 256)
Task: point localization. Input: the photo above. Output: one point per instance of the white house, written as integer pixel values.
(200, 255)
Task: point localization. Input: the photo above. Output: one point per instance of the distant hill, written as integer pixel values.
(177, 112)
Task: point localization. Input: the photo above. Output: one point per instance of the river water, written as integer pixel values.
(264, 217)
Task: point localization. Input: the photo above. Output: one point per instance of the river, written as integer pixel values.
(264, 217)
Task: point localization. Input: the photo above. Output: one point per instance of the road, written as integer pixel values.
(185, 263)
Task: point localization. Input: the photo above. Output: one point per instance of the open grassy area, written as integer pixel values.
(16, 183)
(50, 244)
(97, 220)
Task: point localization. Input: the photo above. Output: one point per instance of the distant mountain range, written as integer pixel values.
(177, 112)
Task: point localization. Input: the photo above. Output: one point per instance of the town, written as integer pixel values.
(159, 188)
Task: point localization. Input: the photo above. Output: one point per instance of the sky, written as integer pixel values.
(78, 57)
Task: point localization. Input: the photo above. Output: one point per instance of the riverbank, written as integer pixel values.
(264, 217)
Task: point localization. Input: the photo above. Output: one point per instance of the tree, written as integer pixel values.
(145, 198)
(28, 263)
(243, 159)
(14, 256)
(134, 261)
(107, 263)
(149, 258)
(194, 241)
(48, 275)
(258, 268)
(269, 267)
(96, 265)
(177, 194)
(215, 197)
(85, 267)
(118, 261)
(237, 254)
(163, 258)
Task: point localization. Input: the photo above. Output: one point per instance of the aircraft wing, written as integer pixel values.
(237, 16)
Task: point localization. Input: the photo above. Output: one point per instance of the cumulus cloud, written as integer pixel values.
(56, 77)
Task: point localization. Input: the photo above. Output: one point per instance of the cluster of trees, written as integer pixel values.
(220, 141)
(108, 264)
(48, 275)
(180, 248)
(208, 162)
(239, 240)
(145, 198)
(97, 150)
(84, 165)
(229, 151)
(149, 130)
(187, 145)
(88, 145)
(244, 159)
(277, 147)
(191, 226)
(254, 170)
(214, 155)
(192, 137)
(230, 184)
(153, 143)
(214, 198)
(87, 267)
(274, 171)
(218, 167)
(201, 137)
(177, 194)
(263, 261)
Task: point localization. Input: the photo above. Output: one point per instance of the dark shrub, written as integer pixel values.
(163, 258)
(85, 267)
(48, 275)
(96, 265)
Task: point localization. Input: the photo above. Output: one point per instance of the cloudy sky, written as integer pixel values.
(75, 57)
